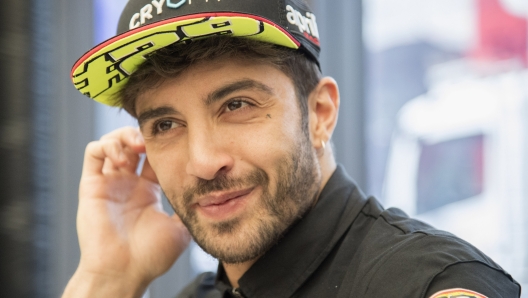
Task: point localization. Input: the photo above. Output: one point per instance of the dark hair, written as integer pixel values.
(172, 60)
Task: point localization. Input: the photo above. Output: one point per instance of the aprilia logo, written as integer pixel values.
(306, 24)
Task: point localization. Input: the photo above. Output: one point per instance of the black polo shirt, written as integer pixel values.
(349, 246)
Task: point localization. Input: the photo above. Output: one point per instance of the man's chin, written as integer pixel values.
(226, 228)
(234, 242)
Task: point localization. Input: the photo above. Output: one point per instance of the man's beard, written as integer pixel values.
(243, 239)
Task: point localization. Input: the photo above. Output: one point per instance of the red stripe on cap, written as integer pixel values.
(172, 20)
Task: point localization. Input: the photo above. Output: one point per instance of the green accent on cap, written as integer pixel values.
(104, 70)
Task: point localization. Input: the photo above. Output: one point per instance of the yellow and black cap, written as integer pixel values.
(148, 25)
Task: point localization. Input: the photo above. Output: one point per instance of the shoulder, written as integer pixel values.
(203, 286)
(476, 278)
(407, 256)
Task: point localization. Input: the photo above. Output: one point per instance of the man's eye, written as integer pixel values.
(235, 105)
(166, 125)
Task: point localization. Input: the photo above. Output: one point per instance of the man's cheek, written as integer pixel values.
(164, 168)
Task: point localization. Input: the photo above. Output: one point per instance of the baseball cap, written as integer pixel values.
(148, 25)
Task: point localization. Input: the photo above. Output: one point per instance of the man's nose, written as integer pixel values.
(208, 155)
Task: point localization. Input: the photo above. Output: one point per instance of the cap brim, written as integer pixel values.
(103, 71)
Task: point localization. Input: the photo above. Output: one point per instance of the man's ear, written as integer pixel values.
(323, 108)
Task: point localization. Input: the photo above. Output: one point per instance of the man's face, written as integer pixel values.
(225, 141)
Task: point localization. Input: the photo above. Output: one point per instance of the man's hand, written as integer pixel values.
(125, 237)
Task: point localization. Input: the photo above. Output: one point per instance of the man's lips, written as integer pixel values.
(220, 206)
(222, 197)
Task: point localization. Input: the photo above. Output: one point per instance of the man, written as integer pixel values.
(235, 120)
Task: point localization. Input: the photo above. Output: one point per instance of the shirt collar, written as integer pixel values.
(284, 268)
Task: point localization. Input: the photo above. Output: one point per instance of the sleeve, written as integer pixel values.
(473, 278)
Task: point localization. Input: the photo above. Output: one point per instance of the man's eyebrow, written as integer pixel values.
(236, 86)
(155, 113)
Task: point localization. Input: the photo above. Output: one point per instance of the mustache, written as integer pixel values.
(224, 182)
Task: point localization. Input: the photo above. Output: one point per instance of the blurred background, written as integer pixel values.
(434, 120)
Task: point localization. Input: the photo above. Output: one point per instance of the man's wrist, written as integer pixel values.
(86, 284)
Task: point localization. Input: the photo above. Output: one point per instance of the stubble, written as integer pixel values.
(246, 237)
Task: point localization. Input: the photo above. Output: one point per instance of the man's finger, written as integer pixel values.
(109, 167)
(129, 136)
(97, 152)
(132, 160)
(121, 147)
(94, 158)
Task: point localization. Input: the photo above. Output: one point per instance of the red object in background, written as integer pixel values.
(501, 34)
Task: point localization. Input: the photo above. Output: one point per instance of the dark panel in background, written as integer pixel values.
(16, 245)
(45, 124)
